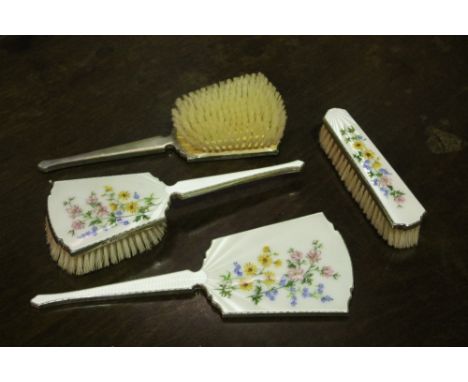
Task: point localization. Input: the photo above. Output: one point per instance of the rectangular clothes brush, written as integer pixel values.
(300, 266)
(384, 198)
(95, 222)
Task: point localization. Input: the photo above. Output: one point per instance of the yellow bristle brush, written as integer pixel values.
(382, 195)
(95, 222)
(243, 116)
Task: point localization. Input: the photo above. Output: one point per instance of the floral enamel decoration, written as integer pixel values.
(365, 157)
(297, 275)
(107, 210)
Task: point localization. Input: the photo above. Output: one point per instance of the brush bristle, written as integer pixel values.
(241, 114)
(395, 237)
(111, 253)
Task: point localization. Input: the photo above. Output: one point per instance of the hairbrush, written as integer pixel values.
(243, 116)
(95, 222)
(382, 195)
(300, 266)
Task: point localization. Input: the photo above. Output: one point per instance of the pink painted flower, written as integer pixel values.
(296, 274)
(385, 181)
(73, 211)
(297, 255)
(400, 199)
(327, 271)
(92, 199)
(77, 224)
(102, 211)
(314, 256)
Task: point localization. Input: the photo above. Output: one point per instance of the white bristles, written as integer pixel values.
(111, 253)
(396, 237)
(241, 114)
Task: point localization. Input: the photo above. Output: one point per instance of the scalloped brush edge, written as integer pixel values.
(394, 236)
(113, 252)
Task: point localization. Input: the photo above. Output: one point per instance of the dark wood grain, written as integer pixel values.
(65, 95)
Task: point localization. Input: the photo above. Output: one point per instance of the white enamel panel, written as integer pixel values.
(395, 197)
(249, 272)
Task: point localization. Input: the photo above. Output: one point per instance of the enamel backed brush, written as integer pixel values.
(300, 266)
(95, 222)
(243, 116)
(385, 199)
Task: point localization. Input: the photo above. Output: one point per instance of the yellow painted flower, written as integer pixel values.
(269, 279)
(113, 206)
(376, 165)
(277, 263)
(265, 259)
(358, 145)
(266, 249)
(124, 195)
(368, 154)
(108, 189)
(250, 269)
(245, 284)
(131, 207)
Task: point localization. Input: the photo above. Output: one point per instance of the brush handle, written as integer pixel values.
(194, 187)
(131, 149)
(172, 282)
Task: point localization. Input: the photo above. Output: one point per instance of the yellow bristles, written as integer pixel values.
(111, 253)
(244, 114)
(396, 237)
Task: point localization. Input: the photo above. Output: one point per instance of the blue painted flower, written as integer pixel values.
(306, 293)
(293, 301)
(384, 172)
(384, 191)
(136, 195)
(326, 298)
(118, 213)
(126, 222)
(366, 164)
(320, 288)
(271, 294)
(237, 269)
(283, 281)
(375, 181)
(87, 233)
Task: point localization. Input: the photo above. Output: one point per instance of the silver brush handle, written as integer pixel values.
(131, 149)
(193, 187)
(172, 282)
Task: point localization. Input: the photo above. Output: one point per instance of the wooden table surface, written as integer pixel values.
(66, 95)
